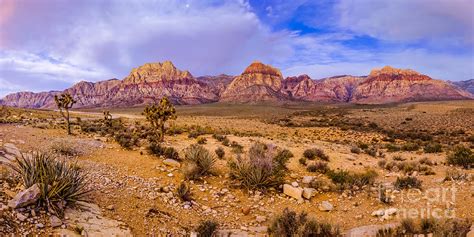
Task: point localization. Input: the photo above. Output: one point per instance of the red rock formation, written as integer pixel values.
(258, 82)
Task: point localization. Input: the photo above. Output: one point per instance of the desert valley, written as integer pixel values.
(388, 154)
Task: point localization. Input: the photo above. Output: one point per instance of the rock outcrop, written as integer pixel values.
(258, 83)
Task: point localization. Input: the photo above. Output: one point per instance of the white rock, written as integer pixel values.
(260, 219)
(26, 197)
(20, 217)
(307, 179)
(308, 192)
(378, 213)
(55, 221)
(294, 184)
(291, 191)
(171, 162)
(326, 206)
(391, 211)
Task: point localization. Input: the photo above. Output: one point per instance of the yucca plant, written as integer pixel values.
(61, 182)
(198, 162)
(184, 192)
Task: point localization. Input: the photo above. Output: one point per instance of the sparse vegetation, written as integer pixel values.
(433, 148)
(220, 152)
(126, 140)
(198, 162)
(318, 166)
(61, 183)
(461, 156)
(201, 140)
(346, 179)
(64, 102)
(407, 182)
(447, 227)
(263, 167)
(158, 114)
(314, 153)
(207, 228)
(184, 192)
(159, 150)
(64, 149)
(289, 224)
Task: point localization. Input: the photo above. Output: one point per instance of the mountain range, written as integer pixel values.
(257, 83)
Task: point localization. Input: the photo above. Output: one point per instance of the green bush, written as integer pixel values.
(126, 140)
(237, 148)
(433, 148)
(410, 147)
(201, 140)
(407, 182)
(263, 167)
(461, 156)
(318, 166)
(207, 228)
(314, 153)
(198, 162)
(346, 179)
(167, 152)
(184, 192)
(302, 161)
(392, 148)
(220, 152)
(61, 183)
(289, 223)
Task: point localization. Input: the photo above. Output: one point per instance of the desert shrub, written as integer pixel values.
(408, 226)
(433, 148)
(201, 140)
(410, 147)
(407, 182)
(355, 150)
(318, 166)
(126, 140)
(302, 160)
(167, 152)
(455, 174)
(454, 227)
(289, 224)
(184, 192)
(64, 148)
(461, 156)
(398, 158)
(207, 228)
(448, 227)
(392, 148)
(175, 130)
(263, 167)
(219, 137)
(198, 162)
(382, 163)
(346, 179)
(220, 152)
(236, 147)
(363, 146)
(314, 153)
(371, 151)
(427, 225)
(196, 131)
(61, 183)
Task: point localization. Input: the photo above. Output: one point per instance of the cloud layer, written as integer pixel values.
(51, 44)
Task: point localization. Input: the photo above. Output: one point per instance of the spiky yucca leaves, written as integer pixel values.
(262, 168)
(61, 183)
(198, 162)
(207, 228)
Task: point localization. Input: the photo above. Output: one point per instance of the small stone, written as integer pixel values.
(245, 210)
(294, 184)
(308, 192)
(391, 211)
(326, 206)
(39, 226)
(110, 207)
(20, 217)
(26, 197)
(172, 163)
(378, 213)
(260, 219)
(55, 221)
(307, 179)
(170, 174)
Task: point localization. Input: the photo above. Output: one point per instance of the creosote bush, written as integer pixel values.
(439, 227)
(461, 156)
(201, 140)
(264, 166)
(289, 224)
(198, 162)
(318, 166)
(184, 192)
(64, 148)
(314, 153)
(346, 179)
(407, 182)
(167, 152)
(207, 228)
(126, 140)
(220, 152)
(433, 148)
(61, 183)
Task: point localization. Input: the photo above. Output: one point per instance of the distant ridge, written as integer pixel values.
(257, 83)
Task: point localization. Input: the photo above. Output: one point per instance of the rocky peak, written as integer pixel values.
(387, 70)
(152, 72)
(259, 68)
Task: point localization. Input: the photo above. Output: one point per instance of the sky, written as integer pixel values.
(52, 44)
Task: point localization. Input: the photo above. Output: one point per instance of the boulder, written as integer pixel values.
(11, 149)
(326, 206)
(307, 179)
(26, 197)
(291, 191)
(55, 221)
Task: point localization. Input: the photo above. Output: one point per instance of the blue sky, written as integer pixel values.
(52, 44)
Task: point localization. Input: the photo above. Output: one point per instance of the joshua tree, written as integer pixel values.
(107, 117)
(64, 103)
(158, 114)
